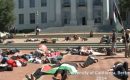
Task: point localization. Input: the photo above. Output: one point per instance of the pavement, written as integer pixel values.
(59, 40)
(92, 72)
(65, 33)
(96, 71)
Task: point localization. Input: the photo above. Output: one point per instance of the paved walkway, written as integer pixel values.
(63, 33)
(92, 72)
(60, 40)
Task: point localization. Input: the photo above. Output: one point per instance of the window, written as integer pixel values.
(32, 18)
(81, 2)
(43, 17)
(21, 4)
(66, 17)
(66, 3)
(21, 18)
(32, 3)
(97, 2)
(43, 3)
(97, 16)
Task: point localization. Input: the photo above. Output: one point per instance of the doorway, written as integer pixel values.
(83, 21)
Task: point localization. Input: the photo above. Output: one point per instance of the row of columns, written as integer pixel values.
(73, 21)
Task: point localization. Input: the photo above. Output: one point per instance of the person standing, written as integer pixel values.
(125, 38)
(91, 33)
(37, 30)
(114, 37)
(128, 42)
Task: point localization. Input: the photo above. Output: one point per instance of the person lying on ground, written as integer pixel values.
(80, 50)
(5, 67)
(74, 50)
(85, 50)
(76, 37)
(67, 38)
(60, 71)
(52, 60)
(60, 75)
(40, 57)
(31, 40)
(10, 51)
(13, 63)
(120, 70)
(84, 39)
(90, 60)
(52, 57)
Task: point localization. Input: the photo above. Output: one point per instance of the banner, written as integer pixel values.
(117, 18)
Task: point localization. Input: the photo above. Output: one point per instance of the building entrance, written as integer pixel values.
(83, 21)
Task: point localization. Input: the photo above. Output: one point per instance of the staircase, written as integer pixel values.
(69, 29)
(57, 46)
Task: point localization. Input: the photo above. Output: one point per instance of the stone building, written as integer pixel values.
(53, 13)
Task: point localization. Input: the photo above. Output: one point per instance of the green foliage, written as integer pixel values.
(26, 31)
(6, 14)
(125, 4)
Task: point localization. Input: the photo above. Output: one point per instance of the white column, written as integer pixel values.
(105, 12)
(51, 12)
(58, 13)
(90, 20)
(73, 20)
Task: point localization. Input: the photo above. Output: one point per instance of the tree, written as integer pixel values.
(124, 8)
(125, 4)
(6, 14)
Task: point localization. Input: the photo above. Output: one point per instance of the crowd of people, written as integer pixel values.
(60, 70)
(113, 39)
(80, 50)
(14, 58)
(75, 38)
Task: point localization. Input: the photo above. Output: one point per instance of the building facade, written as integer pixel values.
(51, 13)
